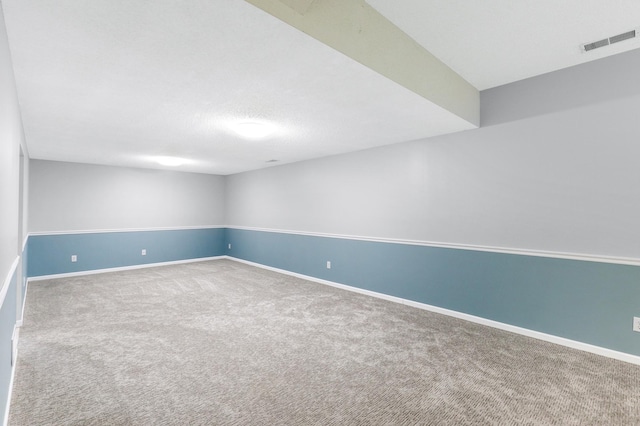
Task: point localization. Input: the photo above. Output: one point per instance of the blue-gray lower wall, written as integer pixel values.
(25, 272)
(51, 254)
(589, 302)
(7, 323)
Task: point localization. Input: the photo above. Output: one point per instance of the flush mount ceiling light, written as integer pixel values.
(169, 161)
(253, 129)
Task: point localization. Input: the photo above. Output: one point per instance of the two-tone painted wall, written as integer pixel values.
(530, 221)
(13, 170)
(107, 217)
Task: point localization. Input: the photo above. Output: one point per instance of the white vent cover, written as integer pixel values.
(607, 41)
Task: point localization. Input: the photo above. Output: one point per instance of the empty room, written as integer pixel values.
(319, 212)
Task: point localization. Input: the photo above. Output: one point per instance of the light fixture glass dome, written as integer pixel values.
(254, 129)
(170, 161)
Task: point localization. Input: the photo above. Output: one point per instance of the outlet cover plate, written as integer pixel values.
(636, 324)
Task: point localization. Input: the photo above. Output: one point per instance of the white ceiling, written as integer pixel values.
(495, 42)
(120, 81)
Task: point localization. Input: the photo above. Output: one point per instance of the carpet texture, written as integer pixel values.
(223, 343)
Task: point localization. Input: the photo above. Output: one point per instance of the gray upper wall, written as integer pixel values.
(83, 197)
(11, 138)
(553, 169)
(591, 83)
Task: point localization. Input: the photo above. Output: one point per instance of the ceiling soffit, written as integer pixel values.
(357, 30)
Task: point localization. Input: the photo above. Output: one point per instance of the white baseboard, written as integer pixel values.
(120, 268)
(598, 350)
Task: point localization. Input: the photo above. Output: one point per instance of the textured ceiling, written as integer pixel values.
(116, 82)
(120, 81)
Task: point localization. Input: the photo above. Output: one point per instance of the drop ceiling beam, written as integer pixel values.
(360, 32)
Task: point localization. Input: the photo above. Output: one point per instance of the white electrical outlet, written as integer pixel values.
(328, 264)
(636, 324)
(144, 252)
(74, 257)
(229, 246)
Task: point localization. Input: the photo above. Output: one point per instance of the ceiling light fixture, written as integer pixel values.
(170, 161)
(253, 129)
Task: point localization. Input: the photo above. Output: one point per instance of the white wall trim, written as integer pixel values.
(7, 280)
(505, 250)
(24, 242)
(120, 268)
(104, 231)
(609, 353)
(15, 338)
(3, 295)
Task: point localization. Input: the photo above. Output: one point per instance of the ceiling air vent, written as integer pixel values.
(607, 41)
(600, 43)
(623, 36)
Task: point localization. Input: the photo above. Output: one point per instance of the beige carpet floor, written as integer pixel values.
(223, 343)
